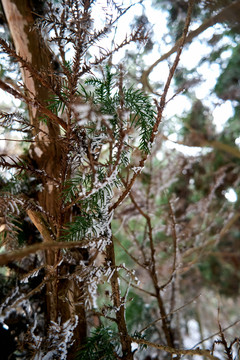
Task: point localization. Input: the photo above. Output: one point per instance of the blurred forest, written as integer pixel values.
(119, 187)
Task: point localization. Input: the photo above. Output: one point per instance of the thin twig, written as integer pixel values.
(216, 333)
(128, 253)
(138, 288)
(174, 235)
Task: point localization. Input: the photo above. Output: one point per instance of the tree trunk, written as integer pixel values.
(46, 154)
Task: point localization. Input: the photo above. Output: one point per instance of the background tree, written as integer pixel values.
(89, 205)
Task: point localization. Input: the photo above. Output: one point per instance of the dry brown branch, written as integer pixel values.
(118, 304)
(129, 185)
(152, 268)
(6, 258)
(174, 351)
(138, 288)
(174, 236)
(153, 274)
(97, 313)
(41, 224)
(229, 224)
(9, 162)
(217, 333)
(25, 64)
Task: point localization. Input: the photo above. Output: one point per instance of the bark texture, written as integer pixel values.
(46, 154)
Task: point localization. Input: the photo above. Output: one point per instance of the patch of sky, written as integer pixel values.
(221, 113)
(230, 195)
(237, 142)
(186, 150)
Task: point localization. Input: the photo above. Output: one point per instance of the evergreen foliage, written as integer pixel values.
(100, 345)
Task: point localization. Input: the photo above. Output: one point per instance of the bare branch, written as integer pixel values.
(6, 258)
(174, 351)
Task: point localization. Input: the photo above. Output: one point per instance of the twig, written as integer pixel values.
(128, 253)
(174, 235)
(118, 304)
(41, 224)
(216, 333)
(138, 288)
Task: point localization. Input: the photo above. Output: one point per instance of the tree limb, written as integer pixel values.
(16, 255)
(173, 351)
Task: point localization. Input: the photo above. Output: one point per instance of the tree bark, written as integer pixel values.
(46, 154)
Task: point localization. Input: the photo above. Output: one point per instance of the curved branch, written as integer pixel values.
(222, 16)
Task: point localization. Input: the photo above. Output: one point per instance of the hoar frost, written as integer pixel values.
(60, 336)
